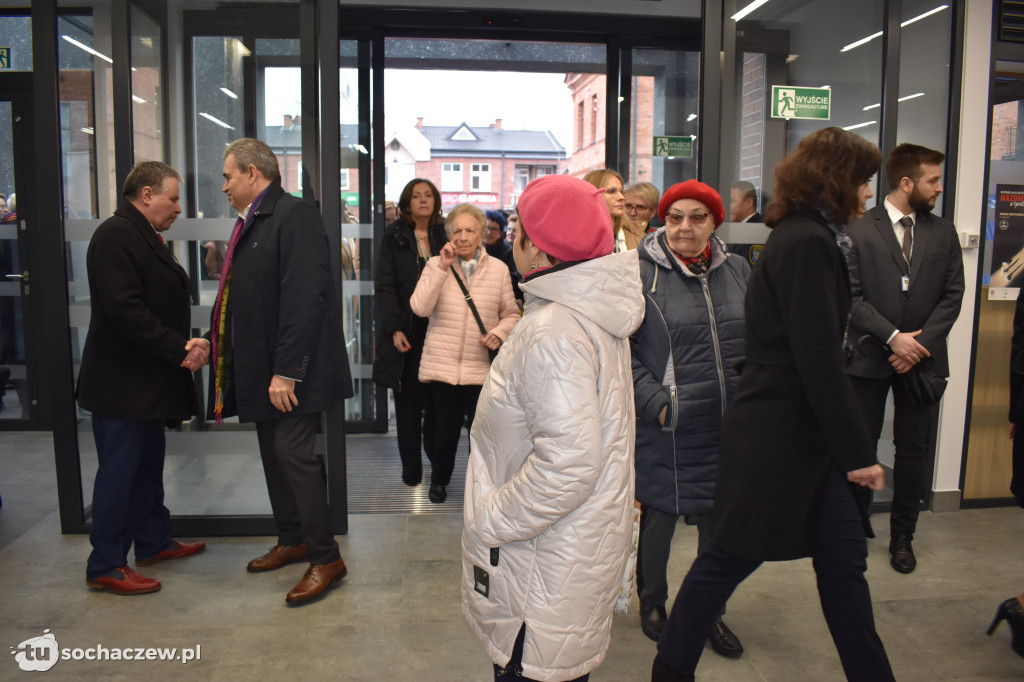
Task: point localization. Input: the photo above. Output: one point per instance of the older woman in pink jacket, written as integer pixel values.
(456, 352)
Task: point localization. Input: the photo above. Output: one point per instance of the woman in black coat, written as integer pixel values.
(794, 447)
(408, 243)
(497, 247)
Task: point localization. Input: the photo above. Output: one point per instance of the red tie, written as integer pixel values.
(160, 237)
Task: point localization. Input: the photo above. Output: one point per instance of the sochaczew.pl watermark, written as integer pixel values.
(42, 653)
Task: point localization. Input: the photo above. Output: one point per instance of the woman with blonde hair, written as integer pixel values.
(461, 290)
(627, 233)
(549, 488)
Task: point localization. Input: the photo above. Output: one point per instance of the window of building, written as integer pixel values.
(579, 126)
(593, 119)
(451, 177)
(344, 178)
(480, 177)
(522, 178)
(545, 170)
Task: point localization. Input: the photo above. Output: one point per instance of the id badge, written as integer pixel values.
(905, 283)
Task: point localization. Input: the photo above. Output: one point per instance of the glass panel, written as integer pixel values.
(783, 44)
(87, 166)
(484, 150)
(356, 242)
(219, 99)
(924, 75)
(15, 43)
(989, 450)
(664, 100)
(14, 394)
(147, 93)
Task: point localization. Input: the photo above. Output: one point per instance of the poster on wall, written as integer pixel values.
(1008, 243)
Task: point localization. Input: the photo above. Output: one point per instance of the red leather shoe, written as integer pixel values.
(178, 551)
(124, 580)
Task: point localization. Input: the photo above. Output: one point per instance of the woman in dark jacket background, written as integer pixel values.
(408, 243)
(686, 358)
(497, 247)
(794, 445)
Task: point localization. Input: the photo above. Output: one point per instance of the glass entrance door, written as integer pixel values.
(17, 394)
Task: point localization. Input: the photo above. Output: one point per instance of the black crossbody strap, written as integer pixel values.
(469, 300)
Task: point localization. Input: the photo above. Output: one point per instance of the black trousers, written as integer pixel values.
(128, 495)
(414, 410)
(453, 406)
(656, 531)
(297, 485)
(911, 426)
(1017, 482)
(839, 563)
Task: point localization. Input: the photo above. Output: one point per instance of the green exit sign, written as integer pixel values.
(668, 145)
(5, 57)
(793, 102)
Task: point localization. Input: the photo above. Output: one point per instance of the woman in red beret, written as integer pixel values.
(795, 453)
(686, 360)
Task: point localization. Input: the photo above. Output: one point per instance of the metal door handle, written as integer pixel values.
(23, 277)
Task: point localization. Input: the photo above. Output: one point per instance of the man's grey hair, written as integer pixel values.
(249, 151)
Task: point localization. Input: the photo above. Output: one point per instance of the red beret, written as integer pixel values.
(693, 189)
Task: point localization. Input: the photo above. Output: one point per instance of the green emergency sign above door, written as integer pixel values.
(792, 102)
(667, 145)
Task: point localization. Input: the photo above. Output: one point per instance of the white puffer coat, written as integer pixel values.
(452, 352)
(550, 477)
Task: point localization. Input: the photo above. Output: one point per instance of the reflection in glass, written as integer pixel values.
(147, 96)
(14, 400)
(988, 462)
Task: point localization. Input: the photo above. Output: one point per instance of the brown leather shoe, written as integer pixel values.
(278, 556)
(317, 579)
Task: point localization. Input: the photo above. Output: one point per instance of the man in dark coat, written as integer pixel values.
(278, 355)
(907, 276)
(136, 376)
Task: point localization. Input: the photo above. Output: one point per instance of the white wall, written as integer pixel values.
(970, 193)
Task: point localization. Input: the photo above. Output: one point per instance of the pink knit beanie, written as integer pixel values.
(693, 189)
(566, 217)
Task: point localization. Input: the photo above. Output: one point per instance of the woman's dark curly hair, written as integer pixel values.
(824, 171)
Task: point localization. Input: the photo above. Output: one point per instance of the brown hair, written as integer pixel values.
(405, 202)
(824, 172)
(146, 174)
(906, 160)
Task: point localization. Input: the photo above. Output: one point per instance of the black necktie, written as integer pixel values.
(908, 236)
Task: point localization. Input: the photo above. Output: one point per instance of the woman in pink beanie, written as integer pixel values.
(549, 489)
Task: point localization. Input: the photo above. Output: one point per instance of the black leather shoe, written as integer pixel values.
(1011, 611)
(412, 478)
(663, 672)
(652, 620)
(437, 493)
(902, 551)
(724, 642)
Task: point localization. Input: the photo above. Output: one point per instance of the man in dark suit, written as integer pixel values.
(136, 376)
(743, 203)
(907, 275)
(279, 355)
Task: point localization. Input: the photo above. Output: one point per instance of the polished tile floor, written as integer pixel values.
(397, 617)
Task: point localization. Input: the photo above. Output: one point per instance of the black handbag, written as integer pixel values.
(924, 386)
(476, 315)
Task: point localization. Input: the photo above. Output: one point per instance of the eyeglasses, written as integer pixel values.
(698, 218)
